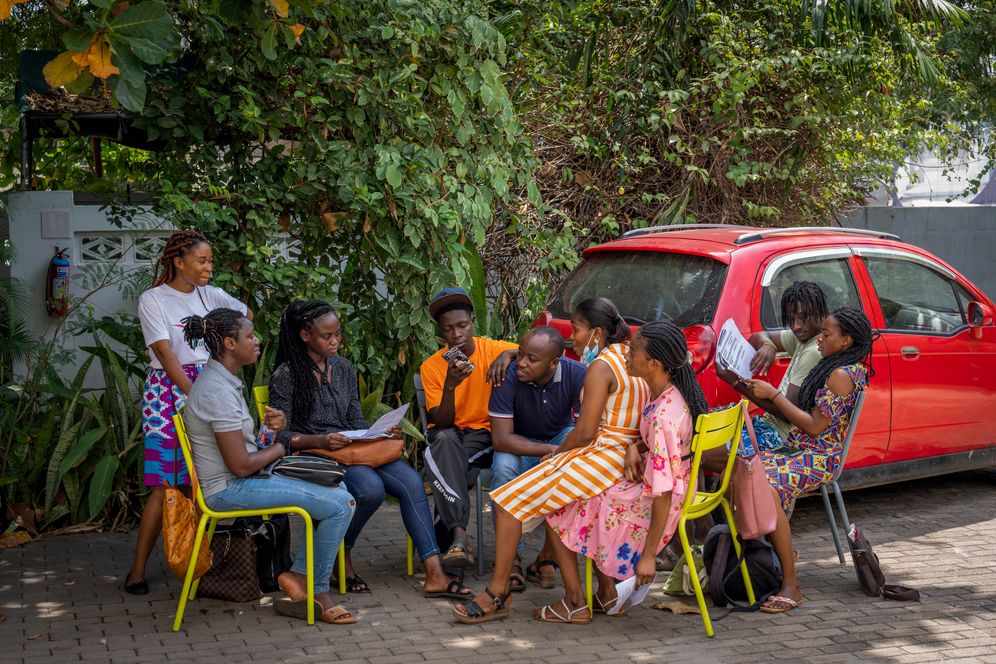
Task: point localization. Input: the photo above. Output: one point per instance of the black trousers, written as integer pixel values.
(453, 460)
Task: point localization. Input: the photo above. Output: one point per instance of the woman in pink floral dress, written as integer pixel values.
(623, 528)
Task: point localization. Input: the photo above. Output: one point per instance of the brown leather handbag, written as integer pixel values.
(372, 453)
(180, 518)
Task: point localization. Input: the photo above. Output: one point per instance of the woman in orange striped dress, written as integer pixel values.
(589, 461)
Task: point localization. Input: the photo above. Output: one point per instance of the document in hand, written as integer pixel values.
(628, 594)
(734, 351)
(381, 427)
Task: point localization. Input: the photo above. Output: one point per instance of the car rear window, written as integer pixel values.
(646, 286)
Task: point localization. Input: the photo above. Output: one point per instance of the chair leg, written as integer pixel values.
(588, 595)
(480, 526)
(736, 547)
(832, 521)
(309, 541)
(212, 524)
(188, 579)
(694, 573)
(410, 551)
(840, 506)
(342, 568)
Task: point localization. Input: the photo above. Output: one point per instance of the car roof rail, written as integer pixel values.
(636, 232)
(757, 236)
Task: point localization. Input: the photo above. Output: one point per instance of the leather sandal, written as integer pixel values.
(516, 582)
(534, 573)
(603, 607)
(458, 555)
(550, 614)
(473, 614)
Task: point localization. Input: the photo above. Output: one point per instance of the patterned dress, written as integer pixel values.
(161, 400)
(584, 471)
(813, 461)
(611, 528)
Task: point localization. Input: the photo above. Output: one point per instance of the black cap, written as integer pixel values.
(449, 296)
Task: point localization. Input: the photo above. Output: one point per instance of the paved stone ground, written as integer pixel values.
(63, 602)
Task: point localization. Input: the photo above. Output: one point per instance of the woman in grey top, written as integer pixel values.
(228, 461)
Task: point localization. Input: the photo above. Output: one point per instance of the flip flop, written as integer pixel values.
(534, 573)
(453, 591)
(550, 615)
(787, 604)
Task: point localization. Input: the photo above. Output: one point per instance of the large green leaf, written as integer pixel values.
(478, 286)
(147, 29)
(101, 484)
(58, 454)
(53, 515)
(78, 452)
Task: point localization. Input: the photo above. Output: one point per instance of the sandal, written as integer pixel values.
(534, 573)
(599, 607)
(354, 584)
(550, 615)
(473, 614)
(779, 604)
(458, 555)
(455, 590)
(334, 615)
(516, 582)
(338, 615)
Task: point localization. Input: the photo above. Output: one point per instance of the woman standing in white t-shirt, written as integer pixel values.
(180, 289)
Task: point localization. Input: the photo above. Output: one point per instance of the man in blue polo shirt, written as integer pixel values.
(532, 410)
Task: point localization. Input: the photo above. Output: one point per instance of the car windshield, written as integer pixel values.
(646, 286)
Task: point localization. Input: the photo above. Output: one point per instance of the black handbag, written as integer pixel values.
(232, 576)
(869, 571)
(273, 554)
(310, 468)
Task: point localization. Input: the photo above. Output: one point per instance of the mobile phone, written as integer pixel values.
(454, 354)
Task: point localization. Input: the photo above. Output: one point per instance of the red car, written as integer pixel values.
(931, 407)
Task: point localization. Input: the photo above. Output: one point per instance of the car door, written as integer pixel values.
(942, 396)
(832, 268)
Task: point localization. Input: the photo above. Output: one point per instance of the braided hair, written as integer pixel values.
(809, 297)
(665, 342)
(600, 312)
(178, 245)
(214, 328)
(291, 349)
(853, 323)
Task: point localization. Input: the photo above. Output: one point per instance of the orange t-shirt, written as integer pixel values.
(470, 399)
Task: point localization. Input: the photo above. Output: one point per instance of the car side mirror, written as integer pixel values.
(979, 316)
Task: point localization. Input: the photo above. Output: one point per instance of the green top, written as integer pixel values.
(805, 356)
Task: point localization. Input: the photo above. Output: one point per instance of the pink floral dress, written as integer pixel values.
(611, 528)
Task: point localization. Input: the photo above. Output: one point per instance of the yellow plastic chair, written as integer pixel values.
(713, 430)
(209, 519)
(261, 393)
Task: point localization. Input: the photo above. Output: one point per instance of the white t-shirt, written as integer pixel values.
(161, 309)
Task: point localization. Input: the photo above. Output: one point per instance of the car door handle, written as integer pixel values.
(910, 351)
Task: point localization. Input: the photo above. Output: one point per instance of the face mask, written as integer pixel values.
(589, 353)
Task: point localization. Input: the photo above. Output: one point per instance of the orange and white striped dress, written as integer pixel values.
(584, 471)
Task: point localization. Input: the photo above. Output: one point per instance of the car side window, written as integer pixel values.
(915, 298)
(833, 275)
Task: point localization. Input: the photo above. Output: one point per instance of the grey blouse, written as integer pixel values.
(335, 403)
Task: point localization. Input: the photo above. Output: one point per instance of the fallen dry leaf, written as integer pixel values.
(32, 637)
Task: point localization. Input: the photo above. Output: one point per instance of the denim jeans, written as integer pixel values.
(506, 466)
(398, 479)
(331, 507)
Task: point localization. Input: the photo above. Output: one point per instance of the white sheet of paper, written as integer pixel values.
(627, 594)
(735, 351)
(380, 428)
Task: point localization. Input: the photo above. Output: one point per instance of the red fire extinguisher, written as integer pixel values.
(57, 284)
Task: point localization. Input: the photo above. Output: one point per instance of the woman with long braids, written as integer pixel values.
(179, 289)
(821, 420)
(316, 388)
(624, 528)
(589, 461)
(228, 460)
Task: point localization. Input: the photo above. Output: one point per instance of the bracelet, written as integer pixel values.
(778, 393)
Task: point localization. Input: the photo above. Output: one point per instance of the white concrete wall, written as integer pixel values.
(41, 220)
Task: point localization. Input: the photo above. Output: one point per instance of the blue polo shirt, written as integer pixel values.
(540, 412)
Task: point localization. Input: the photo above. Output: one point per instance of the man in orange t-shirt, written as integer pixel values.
(456, 399)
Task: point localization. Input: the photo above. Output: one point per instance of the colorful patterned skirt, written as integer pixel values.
(160, 402)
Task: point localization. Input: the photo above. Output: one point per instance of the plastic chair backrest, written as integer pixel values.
(261, 393)
(420, 397)
(714, 430)
(859, 403)
(188, 458)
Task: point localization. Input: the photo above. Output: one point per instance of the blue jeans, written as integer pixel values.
(507, 466)
(398, 479)
(768, 438)
(331, 507)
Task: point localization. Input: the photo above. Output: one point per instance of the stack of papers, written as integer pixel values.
(381, 427)
(733, 351)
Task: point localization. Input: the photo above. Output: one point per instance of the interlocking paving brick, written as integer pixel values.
(63, 602)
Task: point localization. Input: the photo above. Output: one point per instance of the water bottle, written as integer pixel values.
(267, 436)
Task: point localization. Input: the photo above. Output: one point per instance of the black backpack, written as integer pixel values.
(726, 585)
(273, 556)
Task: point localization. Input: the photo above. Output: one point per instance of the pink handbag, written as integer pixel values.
(753, 505)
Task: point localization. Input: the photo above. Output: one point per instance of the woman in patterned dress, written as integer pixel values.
(589, 461)
(180, 289)
(624, 528)
(826, 401)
